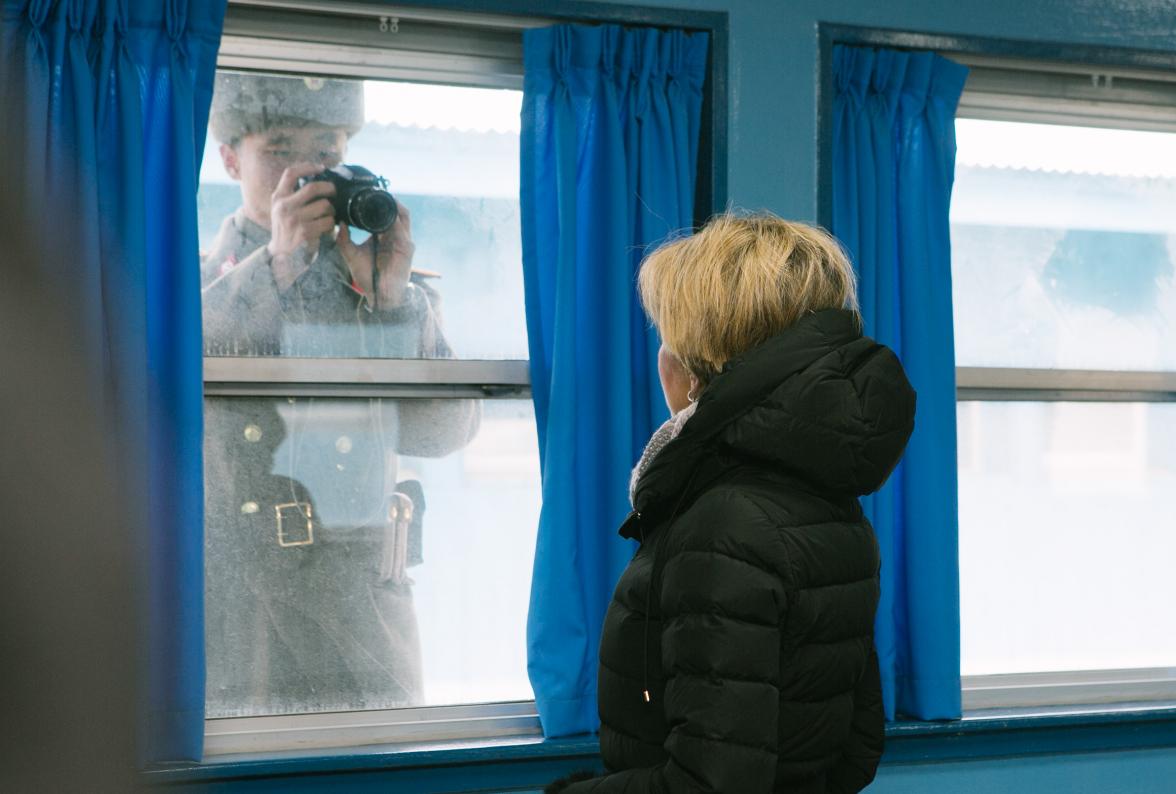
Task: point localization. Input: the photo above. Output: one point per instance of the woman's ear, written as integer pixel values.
(675, 379)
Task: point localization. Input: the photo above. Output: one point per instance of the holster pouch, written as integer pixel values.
(394, 549)
(415, 547)
(401, 545)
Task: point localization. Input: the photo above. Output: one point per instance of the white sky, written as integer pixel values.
(447, 107)
(1052, 147)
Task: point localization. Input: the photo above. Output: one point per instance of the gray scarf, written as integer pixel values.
(662, 436)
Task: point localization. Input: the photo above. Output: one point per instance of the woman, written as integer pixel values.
(737, 654)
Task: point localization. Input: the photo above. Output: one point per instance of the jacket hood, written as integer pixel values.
(818, 403)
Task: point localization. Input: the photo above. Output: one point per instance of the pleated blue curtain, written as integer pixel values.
(610, 129)
(107, 104)
(893, 166)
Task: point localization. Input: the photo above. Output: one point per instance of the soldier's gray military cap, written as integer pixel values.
(243, 104)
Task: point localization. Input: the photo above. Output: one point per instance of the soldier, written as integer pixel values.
(308, 606)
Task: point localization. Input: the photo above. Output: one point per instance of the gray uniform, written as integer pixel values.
(308, 606)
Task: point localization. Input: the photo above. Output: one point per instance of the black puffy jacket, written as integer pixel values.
(748, 611)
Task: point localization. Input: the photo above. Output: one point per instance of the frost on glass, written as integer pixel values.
(1063, 242)
(450, 158)
(473, 590)
(1066, 536)
(366, 554)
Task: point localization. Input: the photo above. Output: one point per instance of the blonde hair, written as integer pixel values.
(739, 281)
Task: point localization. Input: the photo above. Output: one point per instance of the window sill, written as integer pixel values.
(997, 733)
(530, 762)
(451, 765)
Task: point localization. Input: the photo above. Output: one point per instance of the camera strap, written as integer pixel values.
(376, 271)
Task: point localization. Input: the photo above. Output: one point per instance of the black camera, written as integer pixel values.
(361, 198)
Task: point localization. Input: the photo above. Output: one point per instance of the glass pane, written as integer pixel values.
(367, 553)
(1067, 536)
(1062, 247)
(450, 158)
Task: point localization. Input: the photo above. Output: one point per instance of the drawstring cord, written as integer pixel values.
(645, 634)
(645, 694)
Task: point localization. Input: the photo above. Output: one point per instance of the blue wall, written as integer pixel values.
(773, 82)
(774, 77)
(1133, 771)
(1092, 754)
(772, 163)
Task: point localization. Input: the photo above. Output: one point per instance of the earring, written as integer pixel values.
(690, 395)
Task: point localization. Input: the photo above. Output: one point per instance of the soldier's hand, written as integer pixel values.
(394, 259)
(299, 216)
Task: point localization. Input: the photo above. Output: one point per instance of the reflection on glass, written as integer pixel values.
(1066, 536)
(474, 588)
(1062, 247)
(367, 554)
(283, 275)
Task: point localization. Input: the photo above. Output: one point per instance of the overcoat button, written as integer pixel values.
(249, 508)
(343, 444)
(252, 433)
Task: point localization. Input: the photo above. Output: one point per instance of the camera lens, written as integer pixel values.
(372, 210)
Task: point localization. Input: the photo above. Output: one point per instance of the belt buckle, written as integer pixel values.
(304, 510)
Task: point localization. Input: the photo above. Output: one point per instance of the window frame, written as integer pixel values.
(352, 39)
(278, 48)
(1092, 95)
(342, 729)
(277, 51)
(1028, 53)
(259, 376)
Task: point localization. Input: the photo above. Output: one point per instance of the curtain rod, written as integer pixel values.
(472, 18)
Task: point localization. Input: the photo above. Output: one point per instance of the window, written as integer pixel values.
(372, 472)
(1063, 242)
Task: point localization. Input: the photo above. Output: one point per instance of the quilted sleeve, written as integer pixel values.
(855, 770)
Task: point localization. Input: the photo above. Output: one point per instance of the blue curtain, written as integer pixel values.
(107, 104)
(893, 165)
(609, 151)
